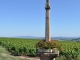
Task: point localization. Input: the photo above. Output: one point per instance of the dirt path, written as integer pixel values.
(20, 57)
(30, 58)
(4, 55)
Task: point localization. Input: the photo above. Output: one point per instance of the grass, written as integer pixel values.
(4, 55)
(28, 44)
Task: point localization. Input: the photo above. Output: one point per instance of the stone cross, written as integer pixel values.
(47, 55)
(47, 28)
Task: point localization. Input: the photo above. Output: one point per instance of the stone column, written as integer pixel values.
(47, 25)
(47, 55)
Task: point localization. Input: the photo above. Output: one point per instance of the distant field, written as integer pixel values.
(20, 46)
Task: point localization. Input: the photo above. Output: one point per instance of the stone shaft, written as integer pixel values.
(47, 29)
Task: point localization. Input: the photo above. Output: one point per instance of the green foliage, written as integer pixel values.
(71, 49)
(19, 46)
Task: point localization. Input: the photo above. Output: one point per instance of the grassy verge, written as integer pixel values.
(4, 55)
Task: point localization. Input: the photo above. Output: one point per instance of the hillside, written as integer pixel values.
(77, 40)
(54, 38)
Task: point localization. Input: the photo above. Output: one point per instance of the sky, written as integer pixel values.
(27, 18)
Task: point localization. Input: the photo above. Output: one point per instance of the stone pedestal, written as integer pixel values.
(47, 56)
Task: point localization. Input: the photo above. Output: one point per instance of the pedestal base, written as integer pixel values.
(47, 56)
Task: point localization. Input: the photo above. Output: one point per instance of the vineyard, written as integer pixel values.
(19, 46)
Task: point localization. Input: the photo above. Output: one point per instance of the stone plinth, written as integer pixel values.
(47, 56)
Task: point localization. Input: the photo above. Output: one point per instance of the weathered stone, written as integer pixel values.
(47, 56)
(47, 28)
